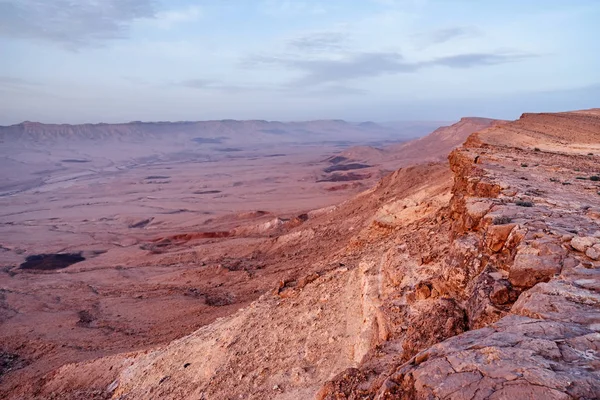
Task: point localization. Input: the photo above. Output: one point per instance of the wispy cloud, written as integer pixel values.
(367, 65)
(356, 66)
(444, 35)
(480, 59)
(319, 41)
(10, 82)
(216, 85)
(400, 3)
(71, 24)
(169, 18)
(290, 8)
(332, 90)
(307, 91)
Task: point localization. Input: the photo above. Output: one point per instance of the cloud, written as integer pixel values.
(320, 41)
(444, 35)
(166, 19)
(290, 8)
(357, 66)
(401, 4)
(71, 24)
(367, 65)
(215, 85)
(480, 59)
(332, 90)
(17, 84)
(308, 91)
(9, 80)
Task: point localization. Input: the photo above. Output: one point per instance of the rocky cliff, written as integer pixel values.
(522, 265)
(476, 282)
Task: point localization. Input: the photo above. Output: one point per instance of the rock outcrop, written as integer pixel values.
(545, 344)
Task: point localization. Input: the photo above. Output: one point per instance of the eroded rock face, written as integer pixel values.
(434, 323)
(497, 236)
(546, 344)
(517, 357)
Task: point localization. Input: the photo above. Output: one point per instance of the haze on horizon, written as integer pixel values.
(123, 60)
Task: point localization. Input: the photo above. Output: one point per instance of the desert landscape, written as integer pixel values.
(460, 265)
(118, 204)
(299, 200)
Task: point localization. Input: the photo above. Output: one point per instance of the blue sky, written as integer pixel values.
(79, 61)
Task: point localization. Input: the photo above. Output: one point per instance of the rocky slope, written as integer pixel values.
(524, 267)
(434, 147)
(475, 282)
(368, 164)
(431, 148)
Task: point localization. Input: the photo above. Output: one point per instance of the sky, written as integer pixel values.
(76, 61)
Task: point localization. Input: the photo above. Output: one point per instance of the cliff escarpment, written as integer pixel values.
(523, 266)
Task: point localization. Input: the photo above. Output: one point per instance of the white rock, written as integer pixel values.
(593, 252)
(582, 243)
(497, 275)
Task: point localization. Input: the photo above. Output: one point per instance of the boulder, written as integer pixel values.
(423, 291)
(497, 235)
(501, 293)
(593, 252)
(582, 243)
(529, 269)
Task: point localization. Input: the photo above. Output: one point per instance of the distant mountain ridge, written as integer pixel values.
(238, 130)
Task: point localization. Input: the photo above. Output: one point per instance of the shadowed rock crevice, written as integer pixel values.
(345, 167)
(350, 176)
(10, 362)
(50, 262)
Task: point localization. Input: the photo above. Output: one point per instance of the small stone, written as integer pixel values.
(566, 238)
(500, 294)
(528, 269)
(421, 357)
(497, 235)
(423, 291)
(593, 252)
(582, 243)
(497, 275)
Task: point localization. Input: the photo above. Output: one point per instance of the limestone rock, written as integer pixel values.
(435, 322)
(501, 293)
(516, 358)
(593, 252)
(582, 243)
(497, 235)
(529, 269)
(423, 291)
